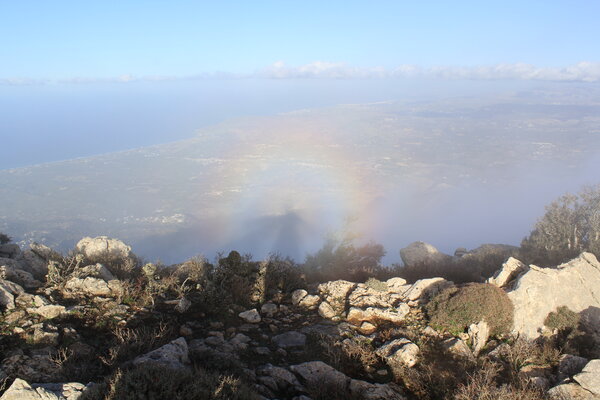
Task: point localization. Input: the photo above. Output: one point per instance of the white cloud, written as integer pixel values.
(584, 71)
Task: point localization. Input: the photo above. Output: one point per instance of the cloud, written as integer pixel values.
(584, 71)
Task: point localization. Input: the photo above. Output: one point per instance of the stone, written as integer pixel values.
(315, 373)
(250, 316)
(424, 289)
(367, 328)
(399, 352)
(103, 246)
(569, 365)
(171, 355)
(539, 291)
(589, 377)
(421, 253)
(357, 316)
(269, 309)
(240, 341)
(282, 378)
(9, 250)
(310, 302)
(21, 390)
(570, 391)
(36, 263)
(336, 294)
(49, 311)
(94, 271)
(298, 295)
(45, 335)
(458, 347)
(509, 271)
(375, 391)
(479, 335)
(396, 285)
(290, 339)
(93, 287)
(326, 311)
(363, 297)
(8, 291)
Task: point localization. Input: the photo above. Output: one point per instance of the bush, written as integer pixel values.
(377, 285)
(4, 238)
(455, 308)
(157, 382)
(562, 319)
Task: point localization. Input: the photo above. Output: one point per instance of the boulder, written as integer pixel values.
(399, 352)
(421, 253)
(424, 289)
(479, 335)
(48, 311)
(396, 285)
(290, 339)
(9, 250)
(101, 247)
(336, 294)
(570, 391)
(509, 271)
(171, 355)
(317, 373)
(589, 377)
(375, 391)
(250, 316)
(539, 291)
(269, 309)
(326, 311)
(363, 296)
(298, 295)
(457, 347)
(21, 390)
(8, 291)
(309, 302)
(569, 365)
(93, 287)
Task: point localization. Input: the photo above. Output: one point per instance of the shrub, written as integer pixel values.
(377, 285)
(283, 274)
(455, 308)
(157, 382)
(4, 238)
(562, 319)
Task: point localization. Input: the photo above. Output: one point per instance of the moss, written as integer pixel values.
(454, 309)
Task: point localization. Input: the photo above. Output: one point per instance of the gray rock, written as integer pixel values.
(589, 377)
(298, 295)
(421, 253)
(315, 373)
(336, 294)
(93, 287)
(250, 316)
(326, 311)
(49, 311)
(571, 391)
(458, 347)
(171, 355)
(103, 246)
(424, 289)
(8, 291)
(479, 335)
(539, 291)
(509, 271)
(399, 352)
(357, 316)
(269, 309)
(290, 339)
(375, 391)
(21, 390)
(569, 365)
(363, 296)
(9, 250)
(183, 305)
(396, 285)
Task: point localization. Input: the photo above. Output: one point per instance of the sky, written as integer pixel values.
(123, 40)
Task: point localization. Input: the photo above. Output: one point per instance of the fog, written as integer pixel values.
(447, 169)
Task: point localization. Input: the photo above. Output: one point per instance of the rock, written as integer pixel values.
(367, 328)
(458, 347)
(336, 294)
(375, 391)
(183, 305)
(101, 247)
(93, 287)
(539, 291)
(9, 250)
(240, 341)
(49, 311)
(396, 285)
(356, 316)
(36, 263)
(95, 271)
(250, 316)
(45, 335)
(319, 374)
(21, 390)
(171, 355)
(424, 289)
(37, 367)
(589, 377)
(363, 296)
(569, 365)
(282, 378)
(479, 335)
(570, 391)
(309, 302)
(399, 352)
(8, 291)
(509, 271)
(326, 311)
(298, 295)
(290, 339)
(269, 309)
(421, 253)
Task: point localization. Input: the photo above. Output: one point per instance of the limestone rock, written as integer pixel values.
(326, 311)
(399, 352)
(479, 335)
(458, 347)
(269, 309)
(8, 291)
(569, 365)
(49, 311)
(571, 391)
(336, 294)
(91, 287)
(363, 296)
(357, 316)
(290, 339)
(103, 246)
(367, 328)
(172, 355)
(509, 271)
(298, 295)
(539, 291)
(396, 285)
(589, 377)
(317, 373)
(421, 253)
(309, 302)
(21, 390)
(250, 316)
(426, 288)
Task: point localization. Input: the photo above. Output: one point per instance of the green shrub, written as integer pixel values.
(455, 308)
(156, 382)
(562, 319)
(377, 285)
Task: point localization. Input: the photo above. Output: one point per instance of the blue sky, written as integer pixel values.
(106, 39)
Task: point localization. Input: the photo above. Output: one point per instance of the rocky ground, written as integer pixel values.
(71, 326)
